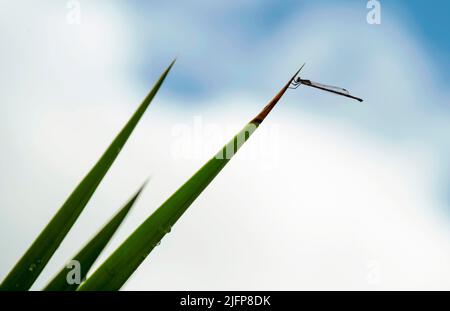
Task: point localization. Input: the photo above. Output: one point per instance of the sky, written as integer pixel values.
(327, 194)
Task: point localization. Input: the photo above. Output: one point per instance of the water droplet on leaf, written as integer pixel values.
(32, 267)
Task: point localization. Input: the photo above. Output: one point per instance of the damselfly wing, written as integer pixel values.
(329, 87)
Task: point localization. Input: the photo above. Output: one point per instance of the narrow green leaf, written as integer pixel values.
(90, 252)
(116, 270)
(28, 268)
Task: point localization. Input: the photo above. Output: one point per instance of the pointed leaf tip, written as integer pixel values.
(87, 256)
(22, 277)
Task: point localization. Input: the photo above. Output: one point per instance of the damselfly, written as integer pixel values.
(296, 82)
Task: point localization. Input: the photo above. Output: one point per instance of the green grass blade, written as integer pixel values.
(90, 252)
(116, 270)
(28, 268)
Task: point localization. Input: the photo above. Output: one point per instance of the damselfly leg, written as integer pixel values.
(295, 83)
